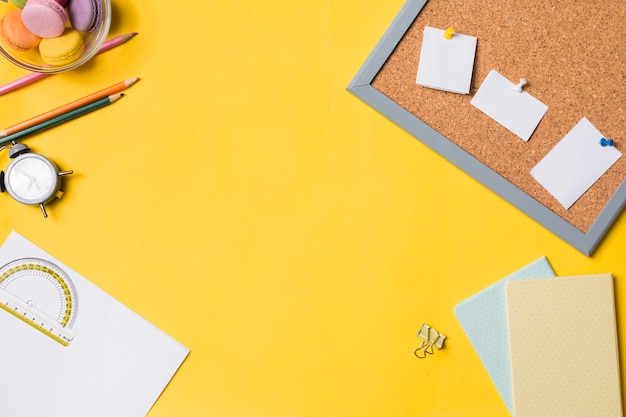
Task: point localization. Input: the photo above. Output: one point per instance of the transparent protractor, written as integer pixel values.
(41, 294)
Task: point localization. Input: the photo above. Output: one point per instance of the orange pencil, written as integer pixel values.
(115, 88)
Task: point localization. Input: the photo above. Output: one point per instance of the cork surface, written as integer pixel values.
(572, 55)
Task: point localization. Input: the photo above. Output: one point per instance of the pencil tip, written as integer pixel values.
(3, 134)
(128, 36)
(131, 81)
(113, 98)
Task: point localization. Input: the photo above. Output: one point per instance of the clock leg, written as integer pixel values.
(43, 210)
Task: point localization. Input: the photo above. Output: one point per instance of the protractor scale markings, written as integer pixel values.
(40, 294)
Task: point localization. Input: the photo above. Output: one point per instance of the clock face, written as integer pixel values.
(32, 179)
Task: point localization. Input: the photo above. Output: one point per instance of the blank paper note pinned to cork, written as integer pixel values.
(517, 111)
(575, 163)
(446, 64)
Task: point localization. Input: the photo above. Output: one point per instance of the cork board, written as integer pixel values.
(570, 52)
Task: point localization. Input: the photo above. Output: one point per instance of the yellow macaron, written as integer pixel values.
(63, 49)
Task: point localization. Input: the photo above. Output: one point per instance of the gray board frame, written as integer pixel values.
(361, 87)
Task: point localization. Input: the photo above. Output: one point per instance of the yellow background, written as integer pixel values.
(295, 240)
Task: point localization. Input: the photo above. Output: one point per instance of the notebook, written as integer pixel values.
(563, 347)
(483, 318)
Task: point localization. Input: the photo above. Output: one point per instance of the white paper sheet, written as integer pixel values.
(446, 64)
(519, 112)
(575, 163)
(117, 364)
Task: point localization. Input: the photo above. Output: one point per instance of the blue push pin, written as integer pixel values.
(606, 142)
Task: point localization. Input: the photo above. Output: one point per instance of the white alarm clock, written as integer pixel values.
(31, 178)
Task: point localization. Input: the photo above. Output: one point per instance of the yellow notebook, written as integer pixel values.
(563, 347)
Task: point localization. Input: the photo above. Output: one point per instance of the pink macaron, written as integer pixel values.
(85, 15)
(45, 18)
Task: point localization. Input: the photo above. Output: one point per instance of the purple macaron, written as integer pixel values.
(85, 15)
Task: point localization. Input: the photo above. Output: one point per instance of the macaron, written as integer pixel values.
(45, 18)
(63, 49)
(19, 3)
(85, 15)
(14, 34)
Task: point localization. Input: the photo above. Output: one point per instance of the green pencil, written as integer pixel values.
(87, 108)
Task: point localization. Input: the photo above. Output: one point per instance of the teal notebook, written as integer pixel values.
(483, 318)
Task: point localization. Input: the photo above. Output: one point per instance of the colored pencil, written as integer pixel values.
(34, 76)
(115, 88)
(88, 108)
(116, 41)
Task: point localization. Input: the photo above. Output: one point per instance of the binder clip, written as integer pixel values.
(431, 338)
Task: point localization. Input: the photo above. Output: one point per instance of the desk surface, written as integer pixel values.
(291, 237)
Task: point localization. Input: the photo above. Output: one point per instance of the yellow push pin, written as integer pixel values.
(448, 33)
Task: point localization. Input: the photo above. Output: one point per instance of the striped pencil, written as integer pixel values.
(115, 88)
(87, 108)
(34, 76)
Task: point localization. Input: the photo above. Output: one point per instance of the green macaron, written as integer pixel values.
(19, 3)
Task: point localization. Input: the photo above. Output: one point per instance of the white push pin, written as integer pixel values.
(518, 87)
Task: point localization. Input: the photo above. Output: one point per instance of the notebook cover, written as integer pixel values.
(483, 318)
(563, 346)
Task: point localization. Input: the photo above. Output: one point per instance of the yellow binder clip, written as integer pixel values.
(430, 338)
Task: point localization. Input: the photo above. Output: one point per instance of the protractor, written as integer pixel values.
(40, 294)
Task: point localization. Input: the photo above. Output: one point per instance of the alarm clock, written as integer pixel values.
(31, 178)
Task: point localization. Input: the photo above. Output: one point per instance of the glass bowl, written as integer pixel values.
(31, 60)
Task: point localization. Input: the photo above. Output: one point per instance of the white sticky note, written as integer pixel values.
(517, 111)
(446, 64)
(575, 163)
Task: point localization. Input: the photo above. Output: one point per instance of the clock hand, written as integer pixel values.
(25, 175)
(28, 178)
(31, 181)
